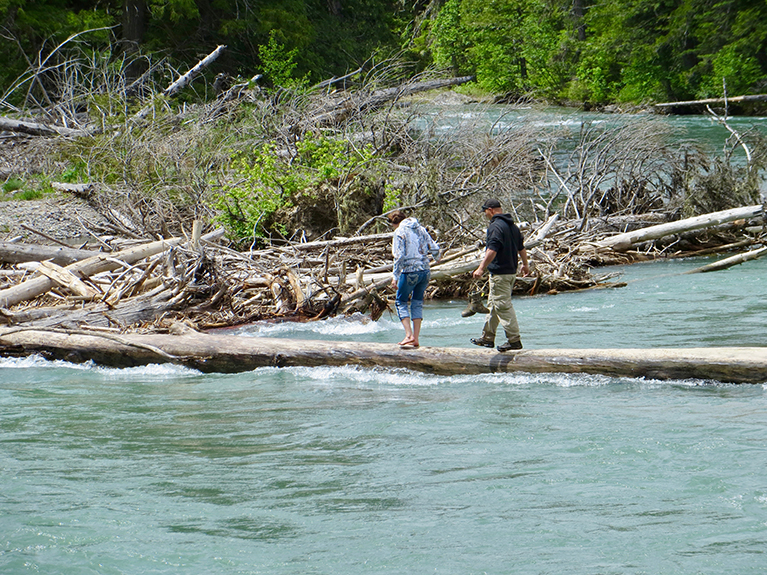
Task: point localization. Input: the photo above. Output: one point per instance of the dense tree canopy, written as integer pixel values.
(580, 50)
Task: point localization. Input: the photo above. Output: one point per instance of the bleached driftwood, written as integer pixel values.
(33, 128)
(182, 81)
(622, 242)
(75, 189)
(65, 278)
(132, 311)
(541, 233)
(731, 261)
(227, 353)
(749, 98)
(13, 253)
(93, 265)
(357, 102)
(186, 79)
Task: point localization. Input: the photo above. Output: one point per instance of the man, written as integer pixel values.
(503, 249)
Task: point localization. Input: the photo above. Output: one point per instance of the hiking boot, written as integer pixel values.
(510, 345)
(482, 342)
(475, 305)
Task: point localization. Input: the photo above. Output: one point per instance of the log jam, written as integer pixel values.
(231, 353)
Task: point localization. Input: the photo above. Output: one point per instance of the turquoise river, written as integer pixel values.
(348, 471)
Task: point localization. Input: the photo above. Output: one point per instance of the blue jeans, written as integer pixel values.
(413, 283)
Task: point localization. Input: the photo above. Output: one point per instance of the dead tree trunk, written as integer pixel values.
(36, 129)
(731, 261)
(750, 98)
(342, 109)
(99, 263)
(623, 242)
(12, 253)
(223, 353)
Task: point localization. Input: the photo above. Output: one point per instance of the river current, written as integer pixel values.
(347, 471)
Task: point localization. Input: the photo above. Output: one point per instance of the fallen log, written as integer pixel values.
(93, 265)
(13, 253)
(33, 128)
(340, 110)
(541, 234)
(66, 279)
(81, 190)
(622, 242)
(183, 80)
(140, 309)
(729, 262)
(748, 98)
(187, 78)
(229, 354)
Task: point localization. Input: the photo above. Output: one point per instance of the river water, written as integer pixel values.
(703, 131)
(348, 471)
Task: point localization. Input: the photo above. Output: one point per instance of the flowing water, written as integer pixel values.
(349, 471)
(702, 131)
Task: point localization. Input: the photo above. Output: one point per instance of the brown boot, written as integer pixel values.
(475, 305)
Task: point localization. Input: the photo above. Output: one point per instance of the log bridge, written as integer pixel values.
(226, 353)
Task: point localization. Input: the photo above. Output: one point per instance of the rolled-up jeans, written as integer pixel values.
(411, 284)
(501, 310)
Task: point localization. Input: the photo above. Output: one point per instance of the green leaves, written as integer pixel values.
(279, 63)
(624, 50)
(269, 179)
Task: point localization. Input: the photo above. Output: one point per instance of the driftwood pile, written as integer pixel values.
(196, 281)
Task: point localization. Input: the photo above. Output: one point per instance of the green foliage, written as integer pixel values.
(624, 50)
(30, 194)
(174, 10)
(16, 189)
(737, 69)
(515, 46)
(392, 197)
(594, 79)
(451, 40)
(279, 63)
(266, 181)
(75, 174)
(12, 185)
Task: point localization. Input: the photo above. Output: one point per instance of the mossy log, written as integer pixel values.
(231, 353)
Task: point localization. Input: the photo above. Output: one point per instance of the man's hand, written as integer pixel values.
(525, 268)
(489, 257)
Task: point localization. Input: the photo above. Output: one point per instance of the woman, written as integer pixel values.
(411, 247)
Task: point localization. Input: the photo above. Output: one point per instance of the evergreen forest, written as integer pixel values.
(633, 51)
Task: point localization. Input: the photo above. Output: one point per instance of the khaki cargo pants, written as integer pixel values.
(501, 310)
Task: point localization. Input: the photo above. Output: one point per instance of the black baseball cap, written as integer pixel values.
(491, 203)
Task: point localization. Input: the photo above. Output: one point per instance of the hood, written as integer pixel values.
(505, 217)
(410, 223)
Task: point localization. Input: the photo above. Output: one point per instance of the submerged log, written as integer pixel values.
(731, 261)
(229, 354)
